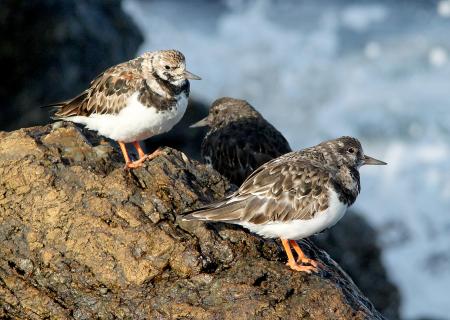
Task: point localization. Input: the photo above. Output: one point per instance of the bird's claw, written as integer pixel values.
(312, 262)
(136, 164)
(297, 267)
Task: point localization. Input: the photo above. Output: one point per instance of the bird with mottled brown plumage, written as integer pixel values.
(295, 195)
(133, 100)
(239, 139)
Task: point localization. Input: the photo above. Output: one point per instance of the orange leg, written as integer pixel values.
(291, 261)
(142, 156)
(128, 163)
(139, 149)
(302, 258)
(124, 152)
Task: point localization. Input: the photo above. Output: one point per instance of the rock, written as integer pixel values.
(82, 238)
(51, 50)
(360, 256)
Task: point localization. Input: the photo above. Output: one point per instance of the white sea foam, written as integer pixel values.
(318, 70)
(444, 8)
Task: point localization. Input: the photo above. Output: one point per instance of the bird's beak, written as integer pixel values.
(372, 161)
(191, 76)
(202, 123)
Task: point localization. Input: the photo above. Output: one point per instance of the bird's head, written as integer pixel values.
(226, 110)
(170, 65)
(348, 152)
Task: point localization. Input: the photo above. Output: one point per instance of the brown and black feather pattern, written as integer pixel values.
(110, 91)
(240, 140)
(287, 188)
(294, 186)
(107, 94)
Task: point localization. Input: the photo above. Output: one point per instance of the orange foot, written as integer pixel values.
(302, 258)
(313, 267)
(297, 267)
(142, 156)
(135, 164)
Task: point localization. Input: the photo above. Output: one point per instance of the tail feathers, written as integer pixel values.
(67, 108)
(222, 211)
(55, 105)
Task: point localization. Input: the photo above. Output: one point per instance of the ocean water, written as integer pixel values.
(376, 70)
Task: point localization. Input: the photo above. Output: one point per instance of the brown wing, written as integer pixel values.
(284, 189)
(107, 93)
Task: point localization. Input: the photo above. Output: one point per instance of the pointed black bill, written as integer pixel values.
(191, 76)
(202, 123)
(372, 161)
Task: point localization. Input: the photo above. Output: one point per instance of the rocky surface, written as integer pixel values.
(50, 51)
(82, 238)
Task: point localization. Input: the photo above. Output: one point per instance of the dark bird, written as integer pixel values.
(133, 100)
(239, 139)
(295, 195)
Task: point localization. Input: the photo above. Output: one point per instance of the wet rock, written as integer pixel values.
(82, 238)
(51, 50)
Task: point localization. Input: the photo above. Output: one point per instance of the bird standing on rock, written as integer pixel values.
(295, 195)
(133, 100)
(239, 139)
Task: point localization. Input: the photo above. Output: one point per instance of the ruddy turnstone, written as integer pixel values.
(239, 139)
(295, 195)
(133, 100)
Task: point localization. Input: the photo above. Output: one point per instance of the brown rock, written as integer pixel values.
(82, 238)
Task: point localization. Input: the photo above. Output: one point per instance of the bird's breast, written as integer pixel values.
(137, 121)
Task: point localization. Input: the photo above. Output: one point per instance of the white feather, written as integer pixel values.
(299, 229)
(134, 122)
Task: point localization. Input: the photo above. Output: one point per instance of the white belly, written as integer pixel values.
(299, 229)
(135, 121)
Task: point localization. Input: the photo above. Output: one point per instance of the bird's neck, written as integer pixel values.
(166, 88)
(347, 184)
(233, 121)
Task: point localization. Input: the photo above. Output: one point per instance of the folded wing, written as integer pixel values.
(280, 190)
(108, 93)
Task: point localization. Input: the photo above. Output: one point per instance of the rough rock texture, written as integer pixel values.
(353, 244)
(51, 49)
(82, 238)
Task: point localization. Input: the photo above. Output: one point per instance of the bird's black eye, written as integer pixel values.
(351, 150)
(167, 67)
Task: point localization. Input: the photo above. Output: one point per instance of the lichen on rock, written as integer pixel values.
(82, 238)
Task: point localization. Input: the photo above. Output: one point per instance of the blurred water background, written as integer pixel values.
(376, 70)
